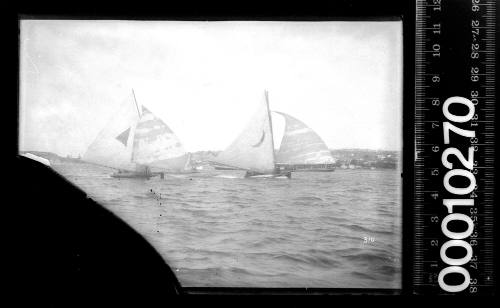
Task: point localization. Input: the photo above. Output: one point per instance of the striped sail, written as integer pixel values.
(253, 148)
(114, 144)
(156, 145)
(301, 145)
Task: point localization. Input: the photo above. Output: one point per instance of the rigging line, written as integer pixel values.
(136, 105)
(270, 125)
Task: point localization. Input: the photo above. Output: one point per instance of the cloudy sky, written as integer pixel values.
(204, 79)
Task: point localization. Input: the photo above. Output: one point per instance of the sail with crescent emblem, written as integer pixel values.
(301, 145)
(253, 149)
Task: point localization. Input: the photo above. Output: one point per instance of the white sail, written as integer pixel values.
(156, 145)
(113, 146)
(301, 145)
(253, 148)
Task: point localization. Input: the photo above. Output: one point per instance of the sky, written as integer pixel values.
(205, 79)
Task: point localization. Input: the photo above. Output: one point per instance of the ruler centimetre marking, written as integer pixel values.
(454, 57)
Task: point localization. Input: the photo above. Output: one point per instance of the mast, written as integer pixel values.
(136, 105)
(270, 124)
(133, 133)
(244, 152)
(112, 147)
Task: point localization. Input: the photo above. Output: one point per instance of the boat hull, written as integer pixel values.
(130, 175)
(306, 167)
(255, 174)
(224, 168)
(140, 175)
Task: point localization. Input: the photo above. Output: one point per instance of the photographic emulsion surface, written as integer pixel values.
(252, 154)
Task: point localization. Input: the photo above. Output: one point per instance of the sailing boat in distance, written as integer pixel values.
(138, 144)
(302, 149)
(253, 149)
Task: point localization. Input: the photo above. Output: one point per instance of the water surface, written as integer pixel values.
(217, 229)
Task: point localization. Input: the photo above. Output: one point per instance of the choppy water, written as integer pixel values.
(334, 230)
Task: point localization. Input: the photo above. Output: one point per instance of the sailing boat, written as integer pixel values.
(253, 149)
(302, 149)
(138, 144)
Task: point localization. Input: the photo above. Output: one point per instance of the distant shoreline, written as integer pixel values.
(345, 158)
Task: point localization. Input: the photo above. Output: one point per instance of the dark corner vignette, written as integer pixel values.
(80, 250)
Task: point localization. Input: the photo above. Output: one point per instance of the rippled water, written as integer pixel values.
(337, 229)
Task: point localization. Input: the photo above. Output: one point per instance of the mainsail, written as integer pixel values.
(156, 145)
(253, 148)
(113, 146)
(301, 145)
(133, 140)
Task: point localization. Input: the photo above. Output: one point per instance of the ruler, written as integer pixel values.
(454, 147)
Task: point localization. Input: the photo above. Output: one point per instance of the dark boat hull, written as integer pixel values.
(141, 175)
(224, 168)
(306, 167)
(131, 175)
(255, 174)
(315, 170)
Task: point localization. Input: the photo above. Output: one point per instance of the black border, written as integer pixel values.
(355, 10)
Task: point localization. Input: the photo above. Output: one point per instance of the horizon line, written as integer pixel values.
(330, 149)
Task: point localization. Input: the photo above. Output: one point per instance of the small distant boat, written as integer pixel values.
(350, 165)
(302, 149)
(253, 149)
(222, 167)
(146, 174)
(139, 145)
